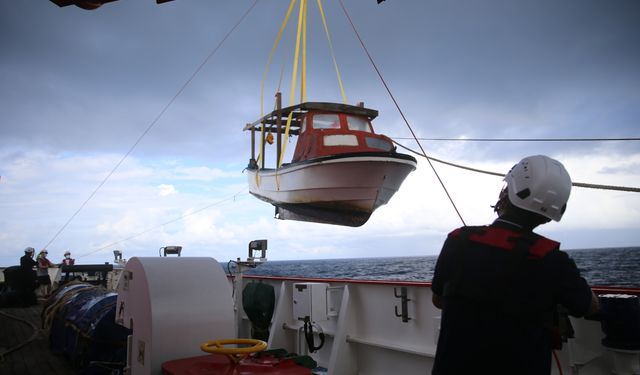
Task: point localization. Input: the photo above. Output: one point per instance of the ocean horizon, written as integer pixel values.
(619, 266)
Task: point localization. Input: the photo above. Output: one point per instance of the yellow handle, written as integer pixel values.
(235, 354)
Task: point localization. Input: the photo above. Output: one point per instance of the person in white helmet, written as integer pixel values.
(67, 261)
(26, 261)
(44, 280)
(26, 284)
(499, 285)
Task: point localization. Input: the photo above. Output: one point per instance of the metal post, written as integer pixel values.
(253, 143)
(278, 127)
(263, 132)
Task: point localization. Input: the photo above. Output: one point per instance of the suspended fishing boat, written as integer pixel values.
(341, 170)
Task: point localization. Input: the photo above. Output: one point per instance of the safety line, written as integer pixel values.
(152, 124)
(400, 111)
(233, 197)
(630, 189)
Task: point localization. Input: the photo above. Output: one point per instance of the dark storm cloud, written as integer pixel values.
(575, 62)
(78, 80)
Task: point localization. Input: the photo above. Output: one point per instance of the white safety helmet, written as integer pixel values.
(29, 250)
(539, 184)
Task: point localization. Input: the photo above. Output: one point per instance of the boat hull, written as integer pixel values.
(341, 189)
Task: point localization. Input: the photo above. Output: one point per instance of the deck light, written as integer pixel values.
(167, 250)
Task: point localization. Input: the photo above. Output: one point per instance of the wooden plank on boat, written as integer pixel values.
(337, 107)
(314, 106)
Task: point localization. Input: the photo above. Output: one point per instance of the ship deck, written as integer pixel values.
(24, 345)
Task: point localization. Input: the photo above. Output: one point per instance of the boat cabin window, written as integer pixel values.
(340, 140)
(380, 144)
(326, 121)
(358, 123)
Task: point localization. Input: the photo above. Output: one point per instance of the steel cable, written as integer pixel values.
(152, 124)
(395, 102)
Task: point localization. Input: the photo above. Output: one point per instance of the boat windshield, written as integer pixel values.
(378, 143)
(358, 123)
(326, 121)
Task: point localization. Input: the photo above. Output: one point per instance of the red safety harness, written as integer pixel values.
(535, 245)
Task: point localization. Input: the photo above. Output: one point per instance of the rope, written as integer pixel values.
(576, 184)
(333, 55)
(555, 355)
(401, 113)
(152, 124)
(607, 187)
(50, 311)
(33, 336)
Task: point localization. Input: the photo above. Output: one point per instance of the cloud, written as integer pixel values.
(76, 102)
(164, 190)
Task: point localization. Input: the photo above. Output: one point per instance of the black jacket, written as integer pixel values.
(500, 286)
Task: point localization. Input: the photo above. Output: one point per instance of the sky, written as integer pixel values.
(155, 97)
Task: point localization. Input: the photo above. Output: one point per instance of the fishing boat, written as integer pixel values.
(341, 170)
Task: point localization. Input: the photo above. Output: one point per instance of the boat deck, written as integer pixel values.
(24, 346)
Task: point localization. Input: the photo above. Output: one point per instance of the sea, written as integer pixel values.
(600, 267)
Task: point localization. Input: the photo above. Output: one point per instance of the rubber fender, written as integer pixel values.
(258, 301)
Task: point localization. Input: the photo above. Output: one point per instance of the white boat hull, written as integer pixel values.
(341, 190)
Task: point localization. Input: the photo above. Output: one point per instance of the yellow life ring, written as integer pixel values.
(235, 354)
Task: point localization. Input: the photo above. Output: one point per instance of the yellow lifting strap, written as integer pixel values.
(266, 70)
(300, 54)
(303, 79)
(273, 51)
(294, 74)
